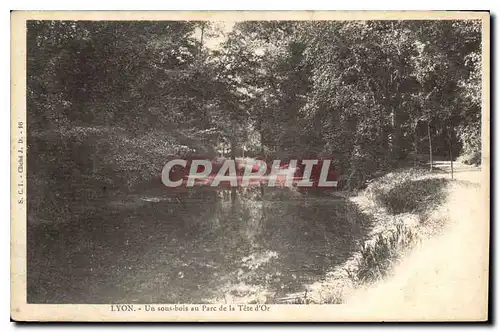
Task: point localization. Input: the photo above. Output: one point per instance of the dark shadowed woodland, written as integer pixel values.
(109, 101)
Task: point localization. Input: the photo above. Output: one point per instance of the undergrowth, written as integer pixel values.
(400, 192)
(413, 196)
(407, 191)
(377, 258)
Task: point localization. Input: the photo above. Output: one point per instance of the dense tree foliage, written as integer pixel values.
(373, 93)
(109, 101)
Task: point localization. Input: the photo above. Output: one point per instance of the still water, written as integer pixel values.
(197, 246)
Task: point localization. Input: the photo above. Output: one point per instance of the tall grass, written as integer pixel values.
(402, 195)
(400, 192)
(377, 258)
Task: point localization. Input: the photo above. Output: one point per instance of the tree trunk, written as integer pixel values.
(451, 153)
(415, 145)
(201, 42)
(202, 32)
(233, 157)
(233, 148)
(396, 138)
(430, 142)
(234, 195)
(261, 142)
(451, 160)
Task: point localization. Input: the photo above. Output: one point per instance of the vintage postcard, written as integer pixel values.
(250, 166)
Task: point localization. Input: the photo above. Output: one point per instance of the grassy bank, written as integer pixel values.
(446, 276)
(409, 198)
(401, 204)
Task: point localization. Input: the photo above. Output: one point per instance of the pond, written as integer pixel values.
(198, 246)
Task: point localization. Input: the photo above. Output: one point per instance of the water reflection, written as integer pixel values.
(245, 245)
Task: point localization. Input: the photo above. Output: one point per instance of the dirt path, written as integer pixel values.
(446, 277)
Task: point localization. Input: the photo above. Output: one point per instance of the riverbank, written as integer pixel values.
(280, 246)
(446, 275)
(416, 213)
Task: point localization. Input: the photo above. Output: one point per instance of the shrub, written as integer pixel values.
(473, 158)
(470, 136)
(382, 185)
(413, 196)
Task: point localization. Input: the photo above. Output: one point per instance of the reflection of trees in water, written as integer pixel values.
(194, 247)
(250, 212)
(284, 240)
(238, 217)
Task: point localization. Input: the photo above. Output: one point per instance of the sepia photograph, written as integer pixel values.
(250, 166)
